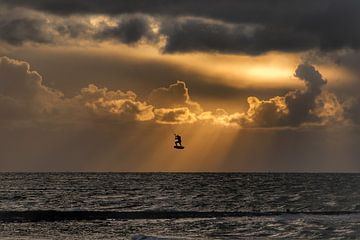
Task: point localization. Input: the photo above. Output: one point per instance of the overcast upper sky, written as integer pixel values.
(251, 85)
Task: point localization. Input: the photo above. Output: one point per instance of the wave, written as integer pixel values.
(53, 216)
(144, 237)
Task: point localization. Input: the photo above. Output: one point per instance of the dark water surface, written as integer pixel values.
(179, 206)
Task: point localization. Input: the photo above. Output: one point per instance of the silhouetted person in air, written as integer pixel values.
(177, 140)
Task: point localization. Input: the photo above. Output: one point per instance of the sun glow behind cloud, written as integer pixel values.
(272, 70)
(263, 73)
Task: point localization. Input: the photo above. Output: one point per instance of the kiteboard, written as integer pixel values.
(179, 147)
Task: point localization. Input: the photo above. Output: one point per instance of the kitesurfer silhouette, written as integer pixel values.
(177, 140)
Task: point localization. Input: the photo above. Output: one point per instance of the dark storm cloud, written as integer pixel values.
(282, 25)
(198, 34)
(17, 30)
(129, 30)
(18, 26)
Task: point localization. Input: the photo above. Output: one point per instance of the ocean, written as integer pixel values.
(179, 206)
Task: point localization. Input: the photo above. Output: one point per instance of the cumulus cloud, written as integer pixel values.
(180, 115)
(352, 110)
(223, 118)
(311, 105)
(117, 105)
(24, 98)
(174, 96)
(301, 103)
(22, 93)
(329, 109)
(266, 113)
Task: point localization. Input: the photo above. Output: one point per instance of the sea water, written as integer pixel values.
(179, 206)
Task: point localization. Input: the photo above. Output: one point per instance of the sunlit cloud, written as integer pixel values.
(29, 99)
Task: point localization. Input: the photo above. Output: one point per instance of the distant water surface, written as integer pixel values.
(310, 206)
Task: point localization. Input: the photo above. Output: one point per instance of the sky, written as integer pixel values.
(250, 85)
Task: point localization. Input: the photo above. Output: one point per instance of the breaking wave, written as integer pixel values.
(53, 216)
